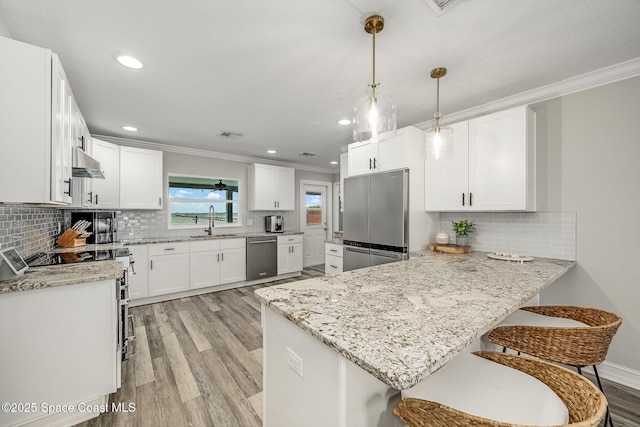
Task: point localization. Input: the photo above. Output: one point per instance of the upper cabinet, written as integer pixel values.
(271, 188)
(493, 167)
(35, 166)
(105, 193)
(144, 169)
(370, 157)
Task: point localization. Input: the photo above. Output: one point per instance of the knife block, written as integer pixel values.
(69, 239)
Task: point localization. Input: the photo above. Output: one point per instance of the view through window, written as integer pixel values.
(190, 198)
(313, 204)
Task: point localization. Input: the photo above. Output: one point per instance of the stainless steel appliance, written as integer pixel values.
(262, 257)
(274, 224)
(103, 225)
(376, 219)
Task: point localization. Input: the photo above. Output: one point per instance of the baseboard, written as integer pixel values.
(618, 374)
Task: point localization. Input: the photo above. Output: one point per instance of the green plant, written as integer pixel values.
(463, 227)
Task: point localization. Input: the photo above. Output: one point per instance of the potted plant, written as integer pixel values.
(462, 229)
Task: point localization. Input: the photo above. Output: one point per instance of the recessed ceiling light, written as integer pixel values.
(344, 122)
(129, 61)
(130, 128)
(334, 162)
(271, 151)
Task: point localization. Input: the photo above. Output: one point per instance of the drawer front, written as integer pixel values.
(233, 243)
(168, 248)
(296, 238)
(333, 249)
(332, 265)
(205, 245)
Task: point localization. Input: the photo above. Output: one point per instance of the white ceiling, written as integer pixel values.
(282, 72)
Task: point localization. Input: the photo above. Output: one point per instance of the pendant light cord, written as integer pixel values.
(437, 127)
(373, 78)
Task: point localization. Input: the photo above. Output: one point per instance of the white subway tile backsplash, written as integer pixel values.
(28, 229)
(541, 234)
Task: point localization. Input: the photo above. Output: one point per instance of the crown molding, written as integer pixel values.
(211, 154)
(614, 73)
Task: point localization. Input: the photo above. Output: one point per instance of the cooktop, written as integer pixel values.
(47, 258)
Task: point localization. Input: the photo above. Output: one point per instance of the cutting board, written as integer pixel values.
(450, 249)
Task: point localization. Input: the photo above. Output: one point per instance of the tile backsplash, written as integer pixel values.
(27, 228)
(145, 224)
(541, 234)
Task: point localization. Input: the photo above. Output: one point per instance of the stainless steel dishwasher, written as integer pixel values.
(262, 257)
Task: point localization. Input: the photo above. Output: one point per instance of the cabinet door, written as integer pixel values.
(332, 265)
(168, 274)
(296, 257)
(233, 265)
(393, 153)
(205, 269)
(140, 178)
(139, 273)
(285, 188)
(283, 258)
(60, 135)
(262, 182)
(360, 157)
(447, 179)
(80, 138)
(106, 191)
(344, 172)
(498, 161)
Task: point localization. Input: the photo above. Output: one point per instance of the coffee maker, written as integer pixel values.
(274, 224)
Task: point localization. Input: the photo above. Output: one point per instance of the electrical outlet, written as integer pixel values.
(294, 361)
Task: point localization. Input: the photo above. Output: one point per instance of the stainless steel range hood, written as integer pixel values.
(84, 166)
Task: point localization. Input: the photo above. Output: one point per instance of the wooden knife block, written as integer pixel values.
(69, 239)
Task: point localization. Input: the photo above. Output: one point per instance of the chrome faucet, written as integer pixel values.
(211, 223)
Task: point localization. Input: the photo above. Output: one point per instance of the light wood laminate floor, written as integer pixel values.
(197, 362)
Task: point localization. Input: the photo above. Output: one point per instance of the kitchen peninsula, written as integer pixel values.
(338, 348)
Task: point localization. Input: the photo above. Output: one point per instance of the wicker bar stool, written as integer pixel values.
(583, 404)
(578, 346)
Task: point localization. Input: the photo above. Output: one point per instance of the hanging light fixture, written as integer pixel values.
(440, 138)
(219, 186)
(375, 114)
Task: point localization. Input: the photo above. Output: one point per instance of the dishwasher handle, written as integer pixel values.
(354, 249)
(261, 241)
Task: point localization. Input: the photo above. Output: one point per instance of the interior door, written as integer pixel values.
(315, 223)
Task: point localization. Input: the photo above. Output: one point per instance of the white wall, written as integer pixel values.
(593, 168)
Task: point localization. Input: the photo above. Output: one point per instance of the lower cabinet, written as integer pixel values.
(139, 272)
(168, 268)
(290, 254)
(332, 258)
(216, 262)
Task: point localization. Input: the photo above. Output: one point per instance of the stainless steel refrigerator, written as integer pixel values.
(376, 219)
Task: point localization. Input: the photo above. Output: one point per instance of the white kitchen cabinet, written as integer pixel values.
(217, 262)
(80, 137)
(344, 172)
(35, 166)
(63, 350)
(106, 192)
(332, 258)
(139, 272)
(370, 157)
(494, 170)
(271, 188)
(290, 254)
(140, 178)
(168, 268)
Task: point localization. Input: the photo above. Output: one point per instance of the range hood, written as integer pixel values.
(84, 166)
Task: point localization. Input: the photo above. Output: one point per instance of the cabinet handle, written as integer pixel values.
(292, 249)
(274, 204)
(218, 257)
(151, 265)
(169, 249)
(333, 266)
(159, 201)
(70, 182)
(369, 164)
(90, 197)
(462, 199)
(374, 162)
(333, 250)
(470, 199)
(222, 256)
(96, 199)
(82, 142)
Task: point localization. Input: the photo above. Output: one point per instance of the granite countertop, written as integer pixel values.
(402, 321)
(171, 239)
(61, 275)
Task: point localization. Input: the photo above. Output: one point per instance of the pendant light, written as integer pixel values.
(375, 114)
(440, 138)
(219, 186)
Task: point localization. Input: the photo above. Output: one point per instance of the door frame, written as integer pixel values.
(303, 208)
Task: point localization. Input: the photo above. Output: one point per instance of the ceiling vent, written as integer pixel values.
(229, 134)
(441, 6)
(307, 154)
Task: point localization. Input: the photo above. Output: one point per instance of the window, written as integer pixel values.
(314, 207)
(190, 199)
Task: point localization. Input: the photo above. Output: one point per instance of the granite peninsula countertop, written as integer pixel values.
(50, 276)
(402, 321)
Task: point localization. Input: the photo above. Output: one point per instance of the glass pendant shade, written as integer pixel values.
(374, 117)
(440, 143)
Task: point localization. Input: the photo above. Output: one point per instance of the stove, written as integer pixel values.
(48, 258)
